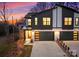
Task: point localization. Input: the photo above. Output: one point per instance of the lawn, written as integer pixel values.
(5, 48)
(27, 51)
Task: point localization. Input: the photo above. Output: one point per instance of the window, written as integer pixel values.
(75, 35)
(77, 21)
(36, 21)
(46, 21)
(29, 21)
(68, 21)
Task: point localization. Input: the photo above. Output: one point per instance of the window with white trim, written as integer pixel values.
(29, 22)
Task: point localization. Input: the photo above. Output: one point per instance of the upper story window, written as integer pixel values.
(29, 22)
(76, 21)
(46, 21)
(67, 21)
(36, 21)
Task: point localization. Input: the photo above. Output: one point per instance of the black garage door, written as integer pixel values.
(66, 35)
(46, 36)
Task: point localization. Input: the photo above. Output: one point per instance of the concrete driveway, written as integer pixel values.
(46, 49)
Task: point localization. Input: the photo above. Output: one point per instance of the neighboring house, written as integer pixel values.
(59, 22)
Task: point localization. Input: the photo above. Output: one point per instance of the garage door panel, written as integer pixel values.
(66, 35)
(46, 36)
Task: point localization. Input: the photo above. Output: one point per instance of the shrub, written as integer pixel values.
(2, 30)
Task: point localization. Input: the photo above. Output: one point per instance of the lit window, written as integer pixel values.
(36, 21)
(75, 35)
(68, 21)
(77, 21)
(29, 21)
(46, 21)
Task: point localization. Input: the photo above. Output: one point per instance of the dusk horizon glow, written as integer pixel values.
(18, 9)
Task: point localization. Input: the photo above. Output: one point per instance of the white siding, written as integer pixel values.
(57, 17)
(54, 18)
(75, 15)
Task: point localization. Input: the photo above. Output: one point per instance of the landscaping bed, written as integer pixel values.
(27, 51)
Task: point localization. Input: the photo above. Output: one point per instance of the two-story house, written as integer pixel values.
(59, 22)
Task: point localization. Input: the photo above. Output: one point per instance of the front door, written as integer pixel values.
(28, 34)
(57, 35)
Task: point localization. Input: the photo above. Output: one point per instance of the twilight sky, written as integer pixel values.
(18, 9)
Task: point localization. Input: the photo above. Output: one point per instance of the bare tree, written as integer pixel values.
(46, 5)
(39, 7)
(34, 9)
(4, 12)
(73, 5)
(4, 15)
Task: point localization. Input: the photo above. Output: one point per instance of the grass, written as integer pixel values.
(27, 51)
(4, 48)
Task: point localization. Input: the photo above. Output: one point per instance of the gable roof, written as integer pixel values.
(68, 8)
(30, 14)
(60, 6)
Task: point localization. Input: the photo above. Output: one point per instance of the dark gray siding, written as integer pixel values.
(67, 13)
(40, 16)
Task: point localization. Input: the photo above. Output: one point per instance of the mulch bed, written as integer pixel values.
(27, 51)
